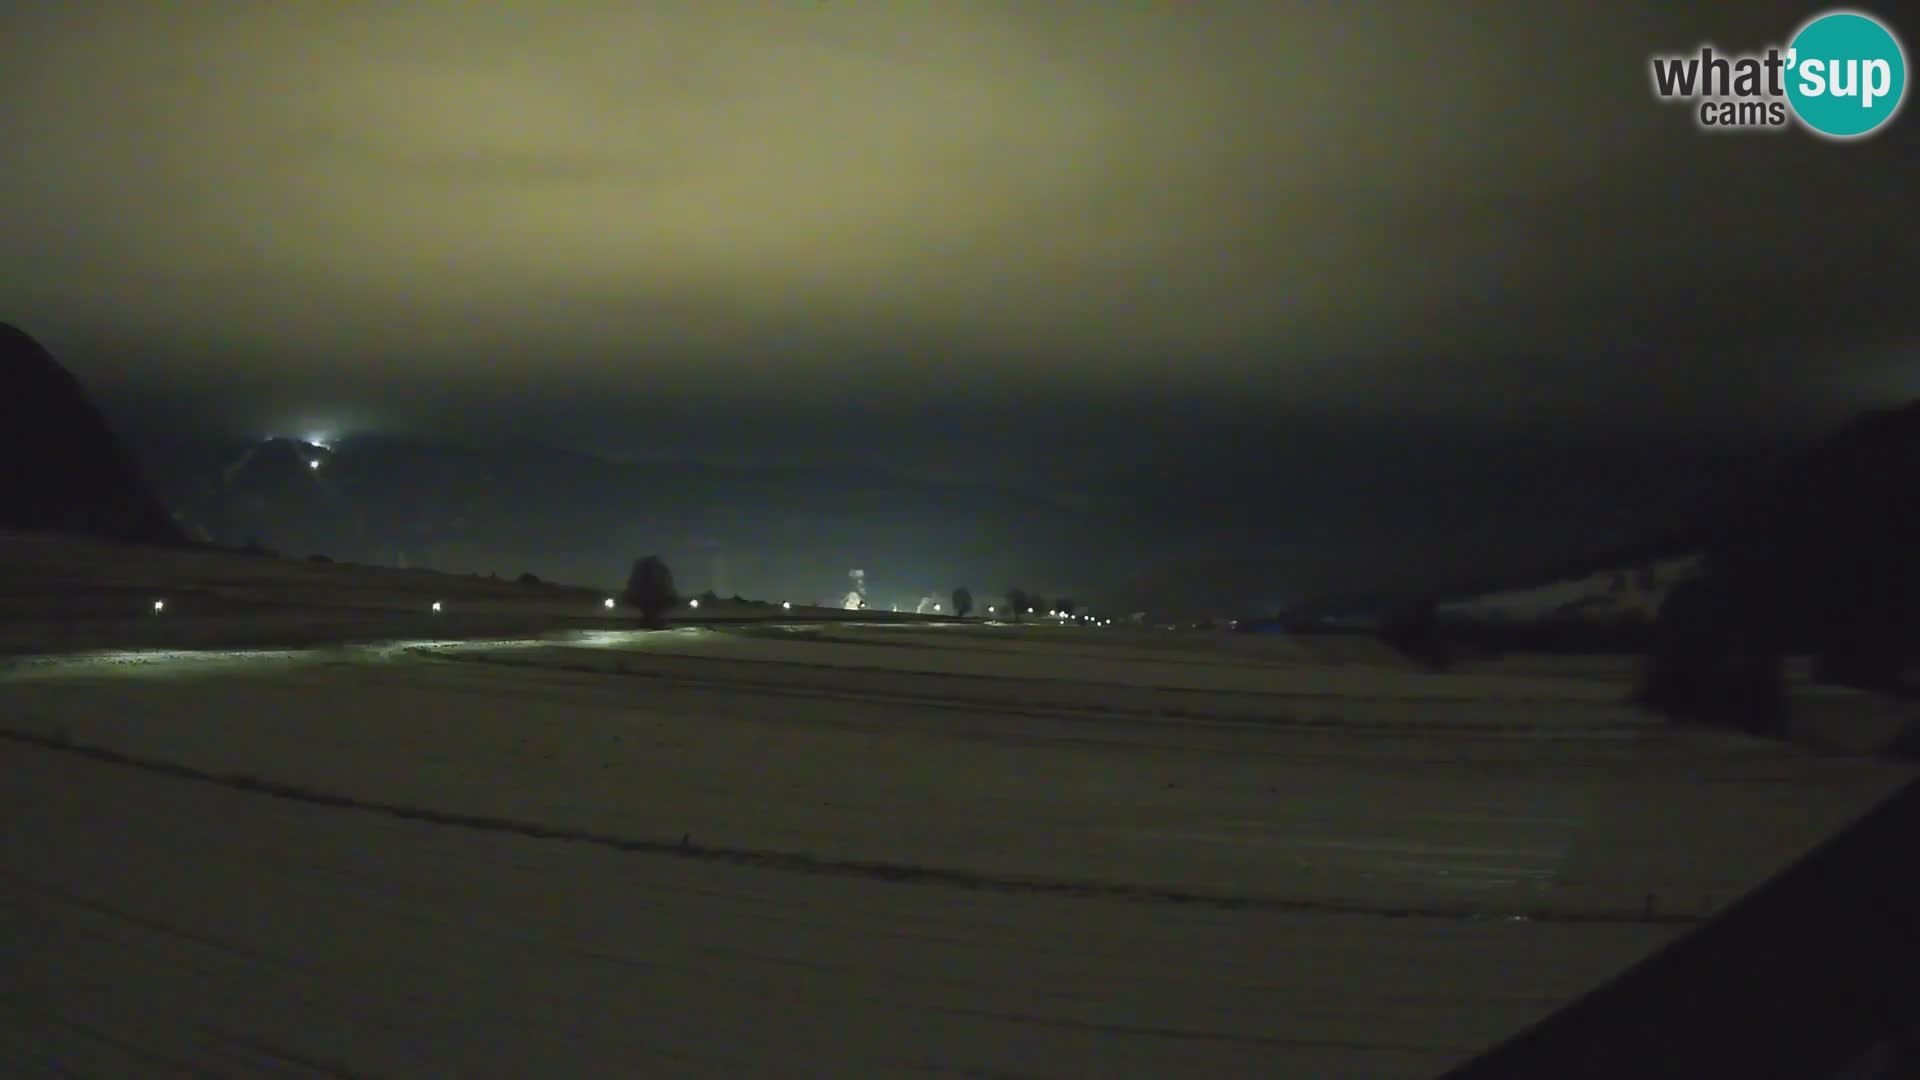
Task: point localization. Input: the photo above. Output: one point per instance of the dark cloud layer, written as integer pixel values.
(853, 226)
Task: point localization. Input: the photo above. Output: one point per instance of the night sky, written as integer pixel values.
(1067, 239)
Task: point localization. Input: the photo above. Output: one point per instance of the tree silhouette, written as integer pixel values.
(1716, 657)
(650, 588)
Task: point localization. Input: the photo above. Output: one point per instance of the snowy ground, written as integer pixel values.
(848, 849)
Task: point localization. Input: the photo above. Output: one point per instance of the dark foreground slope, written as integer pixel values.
(62, 469)
(1812, 976)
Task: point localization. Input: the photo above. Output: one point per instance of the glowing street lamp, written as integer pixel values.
(314, 464)
(436, 607)
(786, 605)
(693, 603)
(159, 606)
(608, 602)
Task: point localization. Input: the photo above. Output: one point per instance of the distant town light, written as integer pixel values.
(436, 605)
(159, 606)
(609, 603)
(989, 609)
(693, 603)
(1029, 611)
(786, 605)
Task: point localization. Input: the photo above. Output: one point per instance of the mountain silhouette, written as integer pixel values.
(62, 469)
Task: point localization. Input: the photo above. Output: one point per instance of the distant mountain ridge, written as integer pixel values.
(1860, 484)
(779, 532)
(1235, 543)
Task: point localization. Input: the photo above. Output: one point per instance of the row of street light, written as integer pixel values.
(160, 606)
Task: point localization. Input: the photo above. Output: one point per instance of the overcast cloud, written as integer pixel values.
(566, 216)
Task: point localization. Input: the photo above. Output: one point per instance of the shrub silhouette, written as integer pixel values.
(650, 588)
(529, 578)
(1413, 629)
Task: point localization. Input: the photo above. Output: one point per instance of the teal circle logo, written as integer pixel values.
(1846, 75)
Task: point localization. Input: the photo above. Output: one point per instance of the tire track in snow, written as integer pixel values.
(803, 862)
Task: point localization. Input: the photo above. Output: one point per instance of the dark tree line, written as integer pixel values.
(1823, 563)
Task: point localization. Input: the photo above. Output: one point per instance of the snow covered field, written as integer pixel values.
(847, 849)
